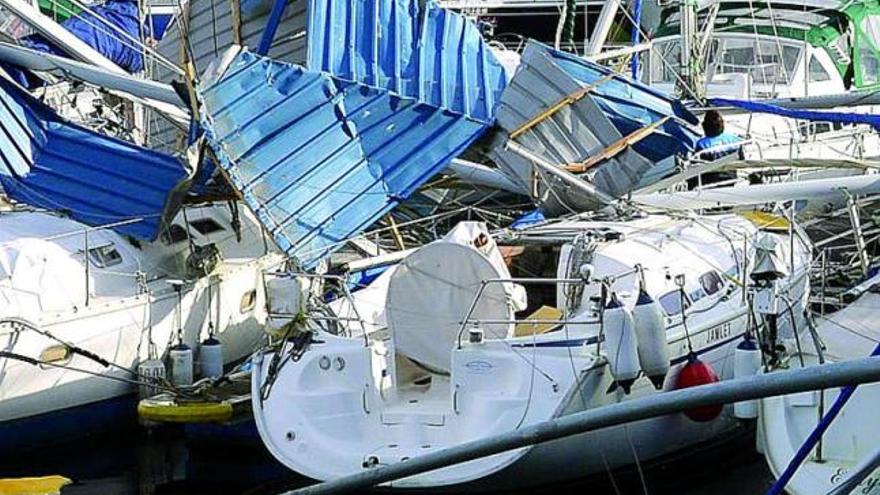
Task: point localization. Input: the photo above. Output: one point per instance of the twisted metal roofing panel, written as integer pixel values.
(50, 163)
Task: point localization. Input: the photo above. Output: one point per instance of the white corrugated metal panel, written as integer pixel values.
(572, 134)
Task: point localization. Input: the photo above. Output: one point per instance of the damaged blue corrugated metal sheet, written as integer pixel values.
(320, 158)
(378, 43)
(583, 128)
(629, 104)
(50, 163)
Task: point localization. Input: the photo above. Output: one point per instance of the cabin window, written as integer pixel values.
(767, 62)
(248, 301)
(105, 256)
(869, 62)
(672, 302)
(206, 226)
(711, 282)
(817, 72)
(174, 234)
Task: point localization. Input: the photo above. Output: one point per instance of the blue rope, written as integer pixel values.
(815, 435)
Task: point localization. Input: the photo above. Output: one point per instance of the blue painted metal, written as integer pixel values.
(630, 104)
(378, 43)
(636, 36)
(50, 163)
(320, 157)
(583, 128)
(271, 26)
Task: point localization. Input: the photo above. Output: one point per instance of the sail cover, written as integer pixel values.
(614, 107)
(321, 153)
(111, 28)
(812, 115)
(50, 163)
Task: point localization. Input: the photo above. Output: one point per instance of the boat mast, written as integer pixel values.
(688, 61)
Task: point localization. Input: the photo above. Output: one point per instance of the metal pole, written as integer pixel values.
(271, 26)
(86, 259)
(60, 36)
(861, 370)
(566, 177)
(824, 423)
(603, 27)
(859, 236)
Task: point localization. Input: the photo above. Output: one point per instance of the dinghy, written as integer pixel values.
(849, 445)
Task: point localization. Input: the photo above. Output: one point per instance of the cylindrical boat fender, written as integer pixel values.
(151, 373)
(692, 374)
(746, 362)
(211, 357)
(181, 358)
(651, 336)
(621, 346)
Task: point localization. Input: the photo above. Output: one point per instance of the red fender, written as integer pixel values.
(692, 374)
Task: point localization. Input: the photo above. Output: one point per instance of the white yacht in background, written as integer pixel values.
(615, 309)
(780, 50)
(81, 307)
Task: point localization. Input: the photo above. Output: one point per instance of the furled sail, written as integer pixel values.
(388, 100)
(50, 163)
(101, 29)
(567, 110)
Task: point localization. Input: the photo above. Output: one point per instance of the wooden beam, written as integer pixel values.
(394, 230)
(617, 147)
(559, 105)
(235, 5)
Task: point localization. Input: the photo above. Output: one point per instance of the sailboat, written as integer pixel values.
(778, 51)
(488, 332)
(102, 269)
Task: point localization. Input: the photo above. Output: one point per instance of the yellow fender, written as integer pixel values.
(42, 485)
(164, 411)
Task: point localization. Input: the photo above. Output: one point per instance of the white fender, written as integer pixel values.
(620, 343)
(746, 362)
(650, 332)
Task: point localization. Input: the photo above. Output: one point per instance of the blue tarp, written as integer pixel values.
(94, 32)
(812, 115)
(50, 163)
(525, 220)
(321, 156)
